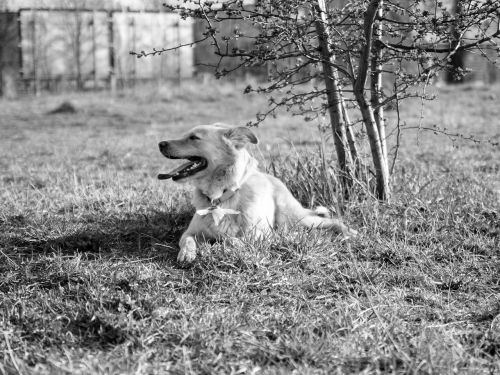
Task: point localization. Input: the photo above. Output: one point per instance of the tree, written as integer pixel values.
(9, 54)
(74, 25)
(349, 47)
(456, 69)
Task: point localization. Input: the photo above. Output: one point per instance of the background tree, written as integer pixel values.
(9, 55)
(74, 25)
(345, 49)
(456, 68)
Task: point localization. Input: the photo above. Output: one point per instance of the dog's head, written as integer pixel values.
(207, 147)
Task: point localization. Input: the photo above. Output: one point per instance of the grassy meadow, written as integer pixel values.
(88, 240)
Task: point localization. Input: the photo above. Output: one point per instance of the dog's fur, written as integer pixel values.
(262, 200)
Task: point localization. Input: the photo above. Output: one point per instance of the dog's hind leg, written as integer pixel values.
(314, 221)
(291, 212)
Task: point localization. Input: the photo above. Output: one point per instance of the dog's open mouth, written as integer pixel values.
(195, 165)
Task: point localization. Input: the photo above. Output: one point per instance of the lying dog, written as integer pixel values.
(232, 196)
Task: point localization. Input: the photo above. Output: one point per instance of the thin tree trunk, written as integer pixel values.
(333, 93)
(111, 53)
(376, 82)
(78, 49)
(379, 161)
(351, 139)
(34, 55)
(94, 49)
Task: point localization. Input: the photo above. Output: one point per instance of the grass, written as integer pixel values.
(88, 240)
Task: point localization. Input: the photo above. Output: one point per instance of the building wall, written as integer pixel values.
(145, 31)
(60, 49)
(15, 5)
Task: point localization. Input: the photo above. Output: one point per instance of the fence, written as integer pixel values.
(53, 49)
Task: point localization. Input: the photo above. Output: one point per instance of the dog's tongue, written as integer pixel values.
(175, 172)
(164, 176)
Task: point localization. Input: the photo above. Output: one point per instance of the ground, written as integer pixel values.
(88, 240)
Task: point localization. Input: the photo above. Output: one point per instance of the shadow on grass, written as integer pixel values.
(134, 237)
(87, 330)
(85, 313)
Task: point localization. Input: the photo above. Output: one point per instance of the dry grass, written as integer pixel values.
(89, 282)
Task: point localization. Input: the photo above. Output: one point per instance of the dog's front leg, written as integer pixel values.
(189, 240)
(187, 245)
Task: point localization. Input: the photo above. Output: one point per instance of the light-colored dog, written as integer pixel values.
(232, 196)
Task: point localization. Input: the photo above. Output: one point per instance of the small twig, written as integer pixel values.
(8, 258)
(398, 134)
(11, 352)
(452, 136)
(163, 50)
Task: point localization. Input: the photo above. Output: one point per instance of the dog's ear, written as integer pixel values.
(240, 136)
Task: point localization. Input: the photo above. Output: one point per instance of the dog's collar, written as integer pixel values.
(226, 195)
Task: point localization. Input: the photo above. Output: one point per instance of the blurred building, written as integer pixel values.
(86, 44)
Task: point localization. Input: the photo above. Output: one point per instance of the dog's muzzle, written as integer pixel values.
(163, 145)
(195, 164)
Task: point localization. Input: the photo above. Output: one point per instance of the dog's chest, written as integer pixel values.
(246, 210)
(223, 218)
(220, 223)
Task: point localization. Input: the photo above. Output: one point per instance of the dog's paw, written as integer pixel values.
(187, 253)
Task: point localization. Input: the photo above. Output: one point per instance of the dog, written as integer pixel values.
(232, 197)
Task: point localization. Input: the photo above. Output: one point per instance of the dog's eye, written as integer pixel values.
(193, 137)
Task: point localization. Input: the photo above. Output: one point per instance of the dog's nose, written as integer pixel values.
(163, 145)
